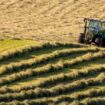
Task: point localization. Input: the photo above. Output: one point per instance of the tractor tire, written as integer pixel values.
(103, 42)
(81, 38)
(100, 42)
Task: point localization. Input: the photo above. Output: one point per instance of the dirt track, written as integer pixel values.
(47, 20)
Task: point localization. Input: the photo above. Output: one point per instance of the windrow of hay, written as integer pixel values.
(15, 67)
(57, 90)
(56, 79)
(27, 49)
(50, 68)
(52, 74)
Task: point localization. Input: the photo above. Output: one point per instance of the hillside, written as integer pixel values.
(33, 73)
(47, 20)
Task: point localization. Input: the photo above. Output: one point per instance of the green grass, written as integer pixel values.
(44, 73)
(11, 44)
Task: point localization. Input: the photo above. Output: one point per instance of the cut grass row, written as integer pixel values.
(30, 55)
(27, 49)
(49, 68)
(45, 91)
(64, 77)
(72, 76)
(83, 96)
(89, 97)
(57, 90)
(100, 100)
(15, 67)
(93, 101)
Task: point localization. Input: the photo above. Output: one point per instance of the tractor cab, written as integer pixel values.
(94, 32)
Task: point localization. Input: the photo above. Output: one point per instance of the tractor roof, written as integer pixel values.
(89, 19)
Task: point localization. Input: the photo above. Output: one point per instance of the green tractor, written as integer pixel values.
(94, 32)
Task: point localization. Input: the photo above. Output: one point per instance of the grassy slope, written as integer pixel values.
(50, 74)
(44, 20)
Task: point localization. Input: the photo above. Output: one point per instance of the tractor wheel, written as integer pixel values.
(88, 38)
(99, 41)
(103, 42)
(81, 38)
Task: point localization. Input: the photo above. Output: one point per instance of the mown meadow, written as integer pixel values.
(34, 73)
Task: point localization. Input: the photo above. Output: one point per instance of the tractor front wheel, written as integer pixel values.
(81, 38)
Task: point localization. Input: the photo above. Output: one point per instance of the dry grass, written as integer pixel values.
(44, 20)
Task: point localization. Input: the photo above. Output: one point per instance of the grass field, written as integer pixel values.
(41, 62)
(47, 20)
(33, 73)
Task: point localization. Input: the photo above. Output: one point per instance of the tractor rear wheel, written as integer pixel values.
(81, 38)
(100, 42)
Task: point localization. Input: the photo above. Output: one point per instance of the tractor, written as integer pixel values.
(94, 32)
